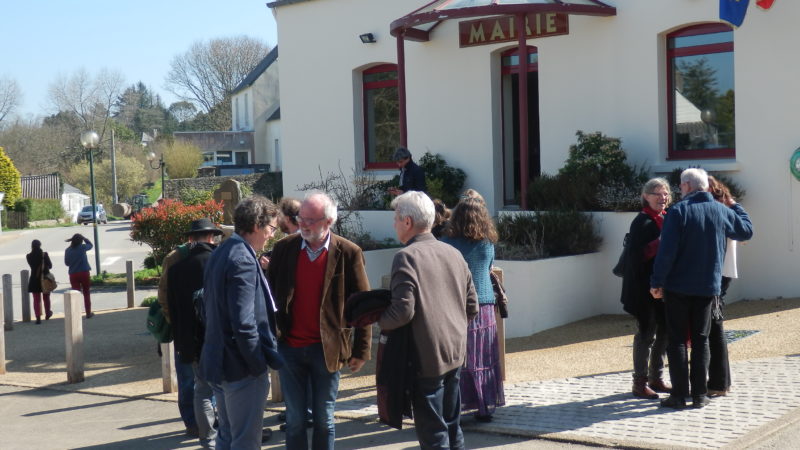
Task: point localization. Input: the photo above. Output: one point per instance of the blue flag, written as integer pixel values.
(733, 11)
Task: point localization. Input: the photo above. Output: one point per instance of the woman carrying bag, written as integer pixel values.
(40, 265)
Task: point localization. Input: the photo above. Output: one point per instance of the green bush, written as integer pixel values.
(446, 182)
(147, 301)
(9, 180)
(546, 234)
(193, 196)
(40, 209)
(595, 177)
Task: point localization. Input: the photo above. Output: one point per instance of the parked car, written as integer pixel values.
(85, 216)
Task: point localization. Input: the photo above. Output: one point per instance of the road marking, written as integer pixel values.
(110, 260)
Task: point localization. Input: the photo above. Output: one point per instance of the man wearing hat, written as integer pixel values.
(183, 272)
(412, 176)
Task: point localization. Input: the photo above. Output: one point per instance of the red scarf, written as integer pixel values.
(651, 248)
(658, 217)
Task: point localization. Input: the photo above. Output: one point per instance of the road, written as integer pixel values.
(115, 247)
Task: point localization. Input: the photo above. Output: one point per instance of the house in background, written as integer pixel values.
(255, 107)
(50, 186)
(230, 152)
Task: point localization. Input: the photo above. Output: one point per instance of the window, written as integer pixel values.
(701, 92)
(246, 111)
(236, 114)
(381, 115)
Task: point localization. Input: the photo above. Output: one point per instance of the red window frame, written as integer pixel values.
(694, 30)
(366, 87)
(507, 69)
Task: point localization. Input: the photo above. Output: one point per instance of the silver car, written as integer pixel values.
(85, 216)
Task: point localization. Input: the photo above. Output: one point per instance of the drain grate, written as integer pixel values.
(734, 335)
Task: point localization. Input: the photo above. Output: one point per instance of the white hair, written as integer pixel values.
(331, 206)
(417, 206)
(696, 178)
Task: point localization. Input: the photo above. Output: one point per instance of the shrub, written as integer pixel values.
(147, 301)
(546, 234)
(162, 227)
(9, 180)
(40, 209)
(444, 182)
(193, 196)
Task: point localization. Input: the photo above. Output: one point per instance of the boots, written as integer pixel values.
(642, 390)
(660, 385)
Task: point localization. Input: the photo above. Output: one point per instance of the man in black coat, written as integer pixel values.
(412, 176)
(184, 278)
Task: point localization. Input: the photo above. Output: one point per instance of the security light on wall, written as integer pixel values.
(367, 38)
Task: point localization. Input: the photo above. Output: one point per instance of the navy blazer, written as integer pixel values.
(239, 316)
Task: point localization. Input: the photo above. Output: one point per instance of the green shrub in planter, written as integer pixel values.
(149, 301)
(546, 234)
(40, 209)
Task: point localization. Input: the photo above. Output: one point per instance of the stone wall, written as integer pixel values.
(268, 184)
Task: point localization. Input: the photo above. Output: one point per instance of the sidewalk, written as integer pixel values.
(568, 384)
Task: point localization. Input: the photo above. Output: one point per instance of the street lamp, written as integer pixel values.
(91, 141)
(161, 164)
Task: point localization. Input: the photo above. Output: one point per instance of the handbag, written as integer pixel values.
(48, 280)
(500, 297)
(619, 269)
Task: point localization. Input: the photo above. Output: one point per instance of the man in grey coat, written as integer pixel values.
(432, 290)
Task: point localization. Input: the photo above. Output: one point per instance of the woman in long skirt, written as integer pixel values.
(472, 232)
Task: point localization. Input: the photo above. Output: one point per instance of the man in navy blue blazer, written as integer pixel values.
(240, 341)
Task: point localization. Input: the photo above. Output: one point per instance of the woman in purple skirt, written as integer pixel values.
(472, 232)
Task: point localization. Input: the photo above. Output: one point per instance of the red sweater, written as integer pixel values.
(307, 300)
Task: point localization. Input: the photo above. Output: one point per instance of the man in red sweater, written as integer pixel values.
(312, 274)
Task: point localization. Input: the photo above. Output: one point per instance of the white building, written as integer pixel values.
(627, 68)
(256, 107)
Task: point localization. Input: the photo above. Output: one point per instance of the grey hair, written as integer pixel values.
(331, 206)
(418, 207)
(653, 184)
(255, 211)
(696, 177)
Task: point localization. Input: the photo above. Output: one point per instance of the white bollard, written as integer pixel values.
(73, 332)
(24, 295)
(168, 377)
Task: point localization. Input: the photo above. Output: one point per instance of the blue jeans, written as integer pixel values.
(437, 411)
(305, 366)
(204, 410)
(240, 410)
(185, 375)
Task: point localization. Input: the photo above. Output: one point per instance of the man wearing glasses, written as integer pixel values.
(312, 274)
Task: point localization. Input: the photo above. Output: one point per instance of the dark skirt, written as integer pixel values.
(481, 382)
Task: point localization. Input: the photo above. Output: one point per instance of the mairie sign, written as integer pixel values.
(504, 28)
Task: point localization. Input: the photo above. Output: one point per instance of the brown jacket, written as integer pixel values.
(345, 275)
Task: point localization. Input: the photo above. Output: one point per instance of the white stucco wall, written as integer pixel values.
(608, 74)
(263, 96)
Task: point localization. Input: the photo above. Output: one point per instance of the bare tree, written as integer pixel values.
(209, 71)
(89, 98)
(10, 97)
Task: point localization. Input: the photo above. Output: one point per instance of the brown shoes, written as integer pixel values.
(660, 386)
(642, 390)
(715, 393)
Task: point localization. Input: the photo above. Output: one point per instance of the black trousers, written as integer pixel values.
(687, 315)
(719, 369)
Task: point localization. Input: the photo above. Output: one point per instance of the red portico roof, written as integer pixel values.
(418, 24)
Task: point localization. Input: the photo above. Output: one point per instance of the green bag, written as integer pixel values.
(157, 324)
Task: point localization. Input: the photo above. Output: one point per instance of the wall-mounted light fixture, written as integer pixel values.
(367, 38)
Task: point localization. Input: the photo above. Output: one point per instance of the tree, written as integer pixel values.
(209, 71)
(182, 111)
(90, 99)
(142, 111)
(182, 159)
(127, 186)
(9, 180)
(699, 82)
(10, 97)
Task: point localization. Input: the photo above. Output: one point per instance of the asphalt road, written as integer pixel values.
(115, 249)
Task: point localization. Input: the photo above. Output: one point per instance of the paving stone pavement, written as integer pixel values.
(600, 409)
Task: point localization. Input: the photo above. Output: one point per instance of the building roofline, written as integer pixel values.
(278, 3)
(262, 66)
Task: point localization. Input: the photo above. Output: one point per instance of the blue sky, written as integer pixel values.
(44, 38)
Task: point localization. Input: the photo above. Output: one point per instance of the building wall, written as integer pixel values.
(262, 98)
(608, 75)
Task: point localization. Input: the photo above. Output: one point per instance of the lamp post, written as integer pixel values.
(91, 141)
(152, 157)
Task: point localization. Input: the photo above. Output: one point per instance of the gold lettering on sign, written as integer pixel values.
(551, 22)
(538, 25)
(497, 32)
(511, 23)
(476, 34)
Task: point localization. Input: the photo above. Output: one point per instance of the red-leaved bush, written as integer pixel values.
(162, 227)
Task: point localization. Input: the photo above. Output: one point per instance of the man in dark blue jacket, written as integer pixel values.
(240, 342)
(687, 274)
(412, 176)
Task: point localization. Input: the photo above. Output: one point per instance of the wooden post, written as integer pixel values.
(275, 386)
(8, 306)
(2, 339)
(24, 295)
(73, 333)
(501, 329)
(169, 379)
(131, 282)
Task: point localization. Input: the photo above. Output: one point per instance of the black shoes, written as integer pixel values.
(700, 401)
(48, 315)
(90, 315)
(674, 402)
(266, 435)
(481, 418)
(38, 321)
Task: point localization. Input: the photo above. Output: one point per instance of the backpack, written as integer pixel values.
(619, 269)
(157, 324)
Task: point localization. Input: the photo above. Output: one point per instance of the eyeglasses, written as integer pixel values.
(308, 221)
(660, 194)
(274, 228)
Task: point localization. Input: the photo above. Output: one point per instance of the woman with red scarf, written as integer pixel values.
(650, 340)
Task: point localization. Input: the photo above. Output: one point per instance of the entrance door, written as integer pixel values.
(510, 94)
